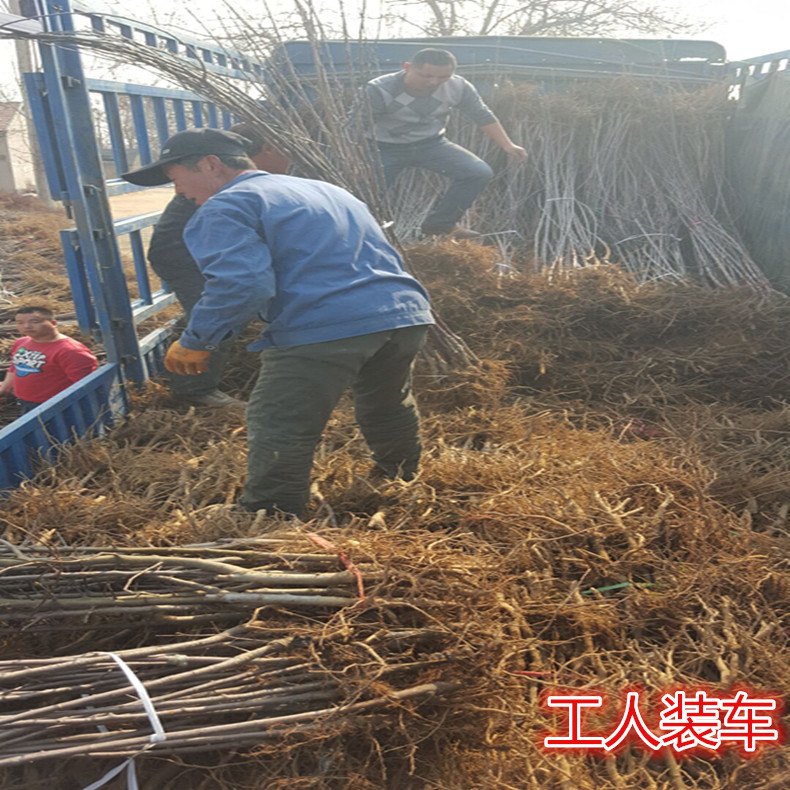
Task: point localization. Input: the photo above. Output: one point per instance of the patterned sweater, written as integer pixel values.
(401, 118)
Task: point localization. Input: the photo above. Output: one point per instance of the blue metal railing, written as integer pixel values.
(212, 57)
(85, 408)
(759, 68)
(534, 58)
(165, 107)
(136, 119)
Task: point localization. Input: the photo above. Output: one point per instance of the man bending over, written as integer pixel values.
(311, 261)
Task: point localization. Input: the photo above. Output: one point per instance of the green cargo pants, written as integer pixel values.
(293, 398)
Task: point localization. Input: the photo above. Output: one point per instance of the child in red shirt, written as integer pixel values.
(43, 362)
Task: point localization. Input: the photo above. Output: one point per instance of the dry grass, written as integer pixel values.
(614, 436)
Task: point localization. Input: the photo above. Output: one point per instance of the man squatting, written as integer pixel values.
(310, 260)
(410, 108)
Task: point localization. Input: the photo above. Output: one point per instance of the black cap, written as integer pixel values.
(190, 142)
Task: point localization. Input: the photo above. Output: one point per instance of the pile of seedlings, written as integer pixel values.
(268, 679)
(31, 260)
(602, 506)
(623, 169)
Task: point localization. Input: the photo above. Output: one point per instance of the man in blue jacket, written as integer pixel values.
(310, 260)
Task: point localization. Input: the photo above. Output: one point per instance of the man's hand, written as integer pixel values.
(516, 152)
(185, 361)
(7, 384)
(499, 136)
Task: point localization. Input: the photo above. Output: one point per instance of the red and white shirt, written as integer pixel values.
(42, 370)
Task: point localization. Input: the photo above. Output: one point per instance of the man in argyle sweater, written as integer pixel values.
(410, 109)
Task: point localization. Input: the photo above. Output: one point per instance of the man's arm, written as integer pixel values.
(169, 256)
(167, 248)
(473, 106)
(236, 262)
(77, 363)
(7, 384)
(500, 137)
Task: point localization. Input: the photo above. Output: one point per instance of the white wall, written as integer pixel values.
(16, 160)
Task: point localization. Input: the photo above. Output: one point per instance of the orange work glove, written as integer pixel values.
(185, 361)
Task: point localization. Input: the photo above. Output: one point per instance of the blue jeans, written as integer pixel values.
(468, 176)
(293, 398)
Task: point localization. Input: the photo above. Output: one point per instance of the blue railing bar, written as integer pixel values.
(156, 338)
(58, 428)
(141, 272)
(159, 300)
(89, 407)
(42, 118)
(15, 464)
(53, 22)
(97, 23)
(197, 113)
(116, 132)
(213, 119)
(78, 279)
(140, 130)
(153, 348)
(181, 114)
(137, 222)
(130, 89)
(116, 186)
(19, 23)
(76, 418)
(160, 115)
(39, 452)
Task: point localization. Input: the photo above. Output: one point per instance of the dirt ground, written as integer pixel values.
(140, 202)
(134, 203)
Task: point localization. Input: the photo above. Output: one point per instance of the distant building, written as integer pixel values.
(16, 159)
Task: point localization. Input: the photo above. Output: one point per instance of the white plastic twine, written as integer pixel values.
(156, 736)
(131, 776)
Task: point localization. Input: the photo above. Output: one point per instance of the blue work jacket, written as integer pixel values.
(305, 256)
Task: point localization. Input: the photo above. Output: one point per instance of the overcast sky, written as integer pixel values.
(745, 28)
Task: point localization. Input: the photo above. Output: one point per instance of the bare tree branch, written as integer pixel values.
(537, 17)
